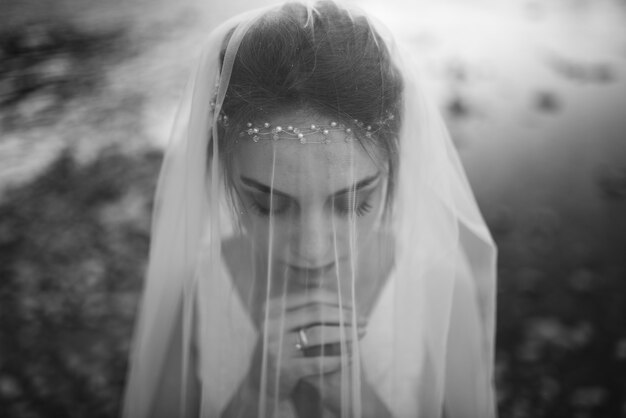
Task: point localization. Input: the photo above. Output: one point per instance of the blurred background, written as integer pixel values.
(533, 92)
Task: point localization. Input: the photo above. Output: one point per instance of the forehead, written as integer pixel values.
(335, 164)
(311, 166)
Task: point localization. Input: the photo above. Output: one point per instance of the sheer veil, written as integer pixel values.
(429, 346)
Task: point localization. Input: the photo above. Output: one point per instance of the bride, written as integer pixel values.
(316, 248)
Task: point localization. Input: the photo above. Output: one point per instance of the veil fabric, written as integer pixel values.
(428, 350)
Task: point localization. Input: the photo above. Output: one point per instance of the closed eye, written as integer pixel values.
(359, 210)
(266, 201)
(356, 202)
(263, 205)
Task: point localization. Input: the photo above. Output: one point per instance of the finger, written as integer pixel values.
(290, 344)
(316, 296)
(328, 334)
(311, 315)
(329, 350)
(310, 366)
(308, 316)
(319, 340)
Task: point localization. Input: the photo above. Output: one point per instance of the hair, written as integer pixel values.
(325, 61)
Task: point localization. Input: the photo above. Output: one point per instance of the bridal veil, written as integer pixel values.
(429, 347)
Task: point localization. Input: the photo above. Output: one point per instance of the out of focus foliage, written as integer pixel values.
(561, 342)
(74, 239)
(73, 245)
(45, 65)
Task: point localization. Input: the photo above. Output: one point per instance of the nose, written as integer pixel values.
(312, 241)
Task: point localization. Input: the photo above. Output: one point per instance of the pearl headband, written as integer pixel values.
(267, 131)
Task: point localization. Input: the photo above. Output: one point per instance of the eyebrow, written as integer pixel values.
(264, 188)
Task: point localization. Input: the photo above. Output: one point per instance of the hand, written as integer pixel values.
(325, 393)
(319, 314)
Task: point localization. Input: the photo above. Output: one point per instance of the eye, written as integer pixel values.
(363, 208)
(262, 205)
(359, 210)
(349, 204)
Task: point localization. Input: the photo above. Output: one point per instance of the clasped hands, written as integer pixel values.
(308, 338)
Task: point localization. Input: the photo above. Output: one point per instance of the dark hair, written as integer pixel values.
(327, 61)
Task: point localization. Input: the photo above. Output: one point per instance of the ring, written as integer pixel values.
(302, 341)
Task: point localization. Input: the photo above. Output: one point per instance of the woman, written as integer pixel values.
(317, 250)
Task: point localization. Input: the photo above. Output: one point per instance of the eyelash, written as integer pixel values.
(264, 211)
(361, 210)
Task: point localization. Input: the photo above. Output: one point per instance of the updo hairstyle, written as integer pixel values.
(326, 62)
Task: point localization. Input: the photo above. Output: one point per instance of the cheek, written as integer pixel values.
(263, 233)
(256, 229)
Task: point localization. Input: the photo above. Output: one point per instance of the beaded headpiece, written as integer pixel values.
(268, 131)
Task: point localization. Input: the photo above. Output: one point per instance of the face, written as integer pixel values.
(309, 209)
